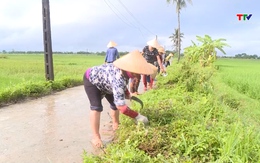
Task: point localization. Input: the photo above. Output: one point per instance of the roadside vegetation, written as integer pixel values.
(194, 117)
(191, 120)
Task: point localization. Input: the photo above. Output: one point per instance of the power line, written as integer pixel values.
(117, 15)
(131, 25)
(135, 17)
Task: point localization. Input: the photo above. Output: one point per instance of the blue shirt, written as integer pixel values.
(111, 55)
(110, 80)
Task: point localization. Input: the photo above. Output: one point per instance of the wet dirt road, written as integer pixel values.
(51, 129)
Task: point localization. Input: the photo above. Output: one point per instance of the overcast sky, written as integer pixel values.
(81, 25)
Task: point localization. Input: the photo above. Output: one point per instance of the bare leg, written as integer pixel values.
(138, 78)
(151, 83)
(115, 118)
(131, 85)
(145, 82)
(95, 124)
(114, 113)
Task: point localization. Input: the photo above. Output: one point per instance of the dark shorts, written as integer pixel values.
(95, 96)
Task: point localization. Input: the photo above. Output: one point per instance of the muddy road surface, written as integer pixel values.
(50, 129)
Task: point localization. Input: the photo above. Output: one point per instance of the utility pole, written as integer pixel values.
(49, 75)
(156, 37)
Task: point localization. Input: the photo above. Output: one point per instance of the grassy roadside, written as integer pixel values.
(192, 119)
(23, 76)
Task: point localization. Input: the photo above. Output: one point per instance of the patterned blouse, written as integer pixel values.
(110, 80)
(150, 57)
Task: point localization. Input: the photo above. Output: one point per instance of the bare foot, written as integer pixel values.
(97, 143)
(115, 126)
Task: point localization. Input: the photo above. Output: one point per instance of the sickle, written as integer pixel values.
(137, 100)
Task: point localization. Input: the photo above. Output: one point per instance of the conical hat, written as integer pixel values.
(111, 44)
(161, 49)
(155, 70)
(134, 62)
(153, 43)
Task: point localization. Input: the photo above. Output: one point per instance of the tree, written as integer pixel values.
(179, 5)
(175, 40)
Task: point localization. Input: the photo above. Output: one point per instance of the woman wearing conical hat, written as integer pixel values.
(151, 55)
(110, 81)
(167, 59)
(161, 55)
(112, 52)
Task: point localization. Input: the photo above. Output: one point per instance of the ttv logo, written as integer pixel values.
(245, 16)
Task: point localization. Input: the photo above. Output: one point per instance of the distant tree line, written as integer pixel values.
(103, 53)
(243, 56)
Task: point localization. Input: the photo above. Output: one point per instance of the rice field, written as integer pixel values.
(242, 75)
(18, 69)
(240, 78)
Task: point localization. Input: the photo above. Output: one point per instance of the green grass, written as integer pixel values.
(23, 76)
(238, 81)
(196, 114)
(242, 75)
(194, 117)
(18, 69)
